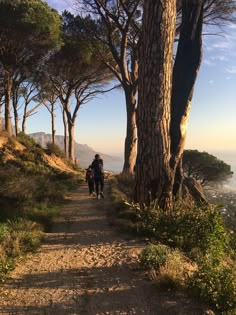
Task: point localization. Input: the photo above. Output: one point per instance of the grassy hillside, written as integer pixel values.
(33, 184)
(83, 152)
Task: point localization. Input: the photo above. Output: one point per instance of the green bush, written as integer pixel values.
(43, 214)
(168, 267)
(27, 141)
(52, 148)
(215, 284)
(4, 229)
(24, 236)
(154, 256)
(192, 230)
(17, 237)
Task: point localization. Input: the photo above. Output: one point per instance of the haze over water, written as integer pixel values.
(228, 157)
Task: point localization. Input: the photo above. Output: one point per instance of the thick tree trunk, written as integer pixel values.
(187, 63)
(131, 131)
(153, 174)
(8, 91)
(71, 140)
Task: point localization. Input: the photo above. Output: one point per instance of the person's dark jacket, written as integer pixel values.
(97, 167)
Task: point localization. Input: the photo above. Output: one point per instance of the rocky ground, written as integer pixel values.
(86, 266)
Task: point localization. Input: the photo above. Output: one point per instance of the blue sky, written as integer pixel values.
(212, 124)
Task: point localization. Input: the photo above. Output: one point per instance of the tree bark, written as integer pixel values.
(23, 125)
(53, 125)
(16, 116)
(8, 92)
(71, 140)
(153, 176)
(187, 63)
(131, 131)
(65, 131)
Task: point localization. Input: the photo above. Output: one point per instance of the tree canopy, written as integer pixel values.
(26, 28)
(205, 167)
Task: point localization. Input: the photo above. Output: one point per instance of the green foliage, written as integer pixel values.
(167, 266)
(154, 256)
(199, 233)
(76, 64)
(43, 214)
(24, 236)
(30, 195)
(31, 27)
(232, 243)
(53, 148)
(215, 284)
(205, 168)
(17, 237)
(194, 230)
(27, 141)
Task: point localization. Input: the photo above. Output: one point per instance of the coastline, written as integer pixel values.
(225, 199)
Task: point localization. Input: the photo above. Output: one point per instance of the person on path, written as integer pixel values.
(97, 166)
(89, 177)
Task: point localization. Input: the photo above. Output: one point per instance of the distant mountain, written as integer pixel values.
(83, 152)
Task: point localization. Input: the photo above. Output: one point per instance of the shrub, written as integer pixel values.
(52, 148)
(215, 284)
(24, 236)
(169, 267)
(17, 237)
(27, 141)
(154, 256)
(192, 230)
(43, 214)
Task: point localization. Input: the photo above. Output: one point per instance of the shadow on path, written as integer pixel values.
(85, 267)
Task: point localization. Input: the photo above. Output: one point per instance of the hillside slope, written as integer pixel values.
(83, 152)
(22, 152)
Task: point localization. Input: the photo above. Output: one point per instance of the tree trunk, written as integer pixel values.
(53, 125)
(16, 116)
(131, 131)
(65, 131)
(1, 118)
(153, 174)
(23, 123)
(71, 140)
(187, 63)
(8, 91)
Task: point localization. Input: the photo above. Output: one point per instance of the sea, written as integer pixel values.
(115, 166)
(228, 157)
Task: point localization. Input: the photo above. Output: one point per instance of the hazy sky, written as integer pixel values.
(212, 125)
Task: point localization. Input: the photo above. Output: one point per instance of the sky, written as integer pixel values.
(212, 125)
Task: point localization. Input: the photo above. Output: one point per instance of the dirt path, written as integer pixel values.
(85, 267)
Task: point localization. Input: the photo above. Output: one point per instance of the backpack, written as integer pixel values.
(98, 167)
(90, 174)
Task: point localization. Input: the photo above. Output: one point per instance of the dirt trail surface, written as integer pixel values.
(86, 267)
